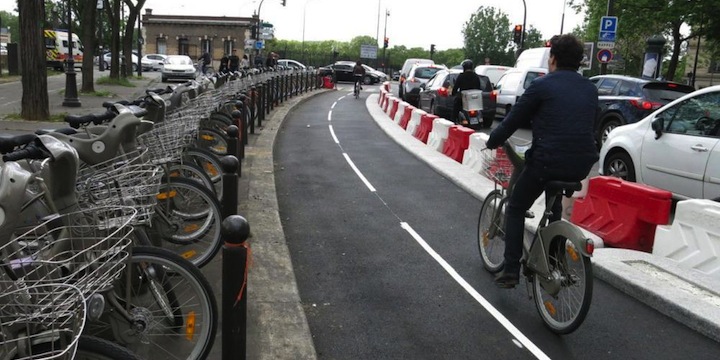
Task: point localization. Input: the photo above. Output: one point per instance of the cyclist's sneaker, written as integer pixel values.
(529, 214)
(507, 280)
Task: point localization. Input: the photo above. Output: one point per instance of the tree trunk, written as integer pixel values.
(34, 103)
(88, 18)
(113, 12)
(677, 42)
(133, 13)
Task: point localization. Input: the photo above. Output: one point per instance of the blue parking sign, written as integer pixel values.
(608, 23)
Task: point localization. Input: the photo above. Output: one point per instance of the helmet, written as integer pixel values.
(467, 64)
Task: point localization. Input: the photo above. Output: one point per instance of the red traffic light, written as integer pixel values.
(518, 27)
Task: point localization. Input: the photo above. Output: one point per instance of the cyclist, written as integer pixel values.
(467, 80)
(560, 108)
(358, 74)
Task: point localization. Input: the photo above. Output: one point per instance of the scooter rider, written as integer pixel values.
(467, 80)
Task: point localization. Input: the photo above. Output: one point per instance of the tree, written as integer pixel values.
(88, 16)
(112, 7)
(533, 38)
(34, 103)
(487, 35)
(133, 13)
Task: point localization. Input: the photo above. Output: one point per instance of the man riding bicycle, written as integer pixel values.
(358, 74)
(560, 107)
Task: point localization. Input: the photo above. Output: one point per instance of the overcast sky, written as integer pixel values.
(413, 23)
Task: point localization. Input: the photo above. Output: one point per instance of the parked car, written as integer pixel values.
(344, 72)
(676, 148)
(625, 100)
(153, 61)
(396, 75)
(291, 64)
(512, 85)
(178, 67)
(107, 57)
(417, 75)
(436, 98)
(406, 69)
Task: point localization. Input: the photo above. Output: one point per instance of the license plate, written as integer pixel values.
(473, 121)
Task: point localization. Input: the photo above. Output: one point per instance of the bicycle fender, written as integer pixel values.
(566, 230)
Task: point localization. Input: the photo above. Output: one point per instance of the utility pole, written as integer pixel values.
(139, 44)
(387, 13)
(522, 35)
(101, 60)
(610, 12)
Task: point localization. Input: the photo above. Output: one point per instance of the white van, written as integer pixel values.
(493, 72)
(537, 57)
(513, 84)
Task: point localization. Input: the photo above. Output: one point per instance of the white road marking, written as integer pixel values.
(333, 105)
(332, 132)
(330, 115)
(359, 174)
(479, 298)
(342, 97)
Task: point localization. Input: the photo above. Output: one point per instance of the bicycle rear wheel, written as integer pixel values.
(93, 348)
(564, 300)
(491, 231)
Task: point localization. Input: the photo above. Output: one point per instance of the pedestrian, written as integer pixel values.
(560, 107)
(244, 63)
(205, 61)
(234, 61)
(271, 60)
(224, 64)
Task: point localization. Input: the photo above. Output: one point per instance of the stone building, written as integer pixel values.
(193, 35)
(708, 66)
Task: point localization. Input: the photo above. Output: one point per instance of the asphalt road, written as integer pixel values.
(385, 256)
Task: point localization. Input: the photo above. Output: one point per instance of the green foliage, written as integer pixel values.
(533, 38)
(487, 35)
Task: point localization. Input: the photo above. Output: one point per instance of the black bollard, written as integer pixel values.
(245, 119)
(237, 115)
(261, 104)
(230, 166)
(232, 139)
(235, 231)
(253, 110)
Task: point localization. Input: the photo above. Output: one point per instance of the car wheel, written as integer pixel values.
(606, 126)
(619, 164)
(367, 80)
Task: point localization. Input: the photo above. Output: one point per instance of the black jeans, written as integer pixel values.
(529, 186)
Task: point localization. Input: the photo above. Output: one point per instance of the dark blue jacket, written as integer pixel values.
(560, 107)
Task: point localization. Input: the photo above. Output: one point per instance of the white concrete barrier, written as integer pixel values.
(382, 96)
(693, 238)
(400, 112)
(472, 156)
(391, 100)
(439, 133)
(414, 121)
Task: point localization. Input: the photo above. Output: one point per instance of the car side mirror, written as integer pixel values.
(657, 125)
(422, 86)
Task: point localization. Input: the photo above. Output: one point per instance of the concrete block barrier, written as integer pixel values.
(457, 142)
(414, 122)
(381, 98)
(393, 107)
(386, 86)
(426, 125)
(406, 116)
(387, 106)
(472, 157)
(693, 239)
(439, 133)
(402, 105)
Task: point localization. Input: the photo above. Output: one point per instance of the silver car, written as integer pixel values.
(417, 75)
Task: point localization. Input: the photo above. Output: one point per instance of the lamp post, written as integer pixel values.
(522, 34)
(101, 58)
(139, 44)
(562, 20)
(259, 22)
(387, 13)
(71, 97)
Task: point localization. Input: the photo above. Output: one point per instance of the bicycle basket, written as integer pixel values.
(497, 166)
(126, 180)
(40, 321)
(87, 249)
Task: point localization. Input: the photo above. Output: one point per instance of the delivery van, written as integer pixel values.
(56, 49)
(536, 57)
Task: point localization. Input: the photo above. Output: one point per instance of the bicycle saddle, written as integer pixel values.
(565, 187)
(8, 143)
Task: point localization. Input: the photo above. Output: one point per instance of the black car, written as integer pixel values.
(344, 72)
(436, 95)
(625, 100)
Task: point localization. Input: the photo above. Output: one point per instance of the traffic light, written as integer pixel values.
(387, 40)
(283, 2)
(517, 34)
(432, 50)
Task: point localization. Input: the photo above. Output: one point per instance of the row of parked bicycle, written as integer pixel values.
(104, 224)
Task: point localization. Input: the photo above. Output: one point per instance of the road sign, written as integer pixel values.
(606, 36)
(604, 56)
(587, 60)
(606, 44)
(368, 51)
(259, 44)
(608, 28)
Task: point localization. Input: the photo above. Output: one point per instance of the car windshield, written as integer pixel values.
(178, 60)
(425, 72)
(665, 92)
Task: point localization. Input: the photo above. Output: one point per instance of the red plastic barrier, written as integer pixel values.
(327, 82)
(386, 103)
(457, 142)
(405, 119)
(394, 108)
(387, 86)
(624, 214)
(426, 125)
(381, 98)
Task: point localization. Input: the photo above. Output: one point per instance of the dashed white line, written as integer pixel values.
(479, 298)
(359, 174)
(342, 97)
(332, 132)
(333, 105)
(330, 115)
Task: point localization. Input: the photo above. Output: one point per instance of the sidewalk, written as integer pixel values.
(688, 296)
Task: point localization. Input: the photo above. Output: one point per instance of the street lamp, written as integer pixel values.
(522, 35)
(71, 97)
(385, 65)
(101, 58)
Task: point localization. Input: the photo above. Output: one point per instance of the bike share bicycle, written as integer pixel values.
(556, 262)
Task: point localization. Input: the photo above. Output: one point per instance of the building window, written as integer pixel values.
(183, 46)
(228, 47)
(162, 46)
(206, 46)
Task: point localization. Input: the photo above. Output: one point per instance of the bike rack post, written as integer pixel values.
(253, 110)
(261, 103)
(271, 99)
(282, 88)
(230, 166)
(232, 139)
(242, 99)
(235, 231)
(238, 116)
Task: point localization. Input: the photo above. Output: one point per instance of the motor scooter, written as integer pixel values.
(470, 114)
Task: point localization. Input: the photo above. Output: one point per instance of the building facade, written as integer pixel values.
(195, 35)
(708, 64)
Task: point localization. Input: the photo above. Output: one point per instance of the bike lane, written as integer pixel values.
(388, 266)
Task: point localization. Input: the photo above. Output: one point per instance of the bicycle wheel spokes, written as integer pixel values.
(491, 232)
(564, 300)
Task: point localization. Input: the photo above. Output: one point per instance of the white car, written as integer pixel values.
(178, 67)
(676, 148)
(512, 85)
(153, 61)
(291, 64)
(107, 57)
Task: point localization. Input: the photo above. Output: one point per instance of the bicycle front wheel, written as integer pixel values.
(563, 299)
(491, 231)
(162, 307)
(93, 348)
